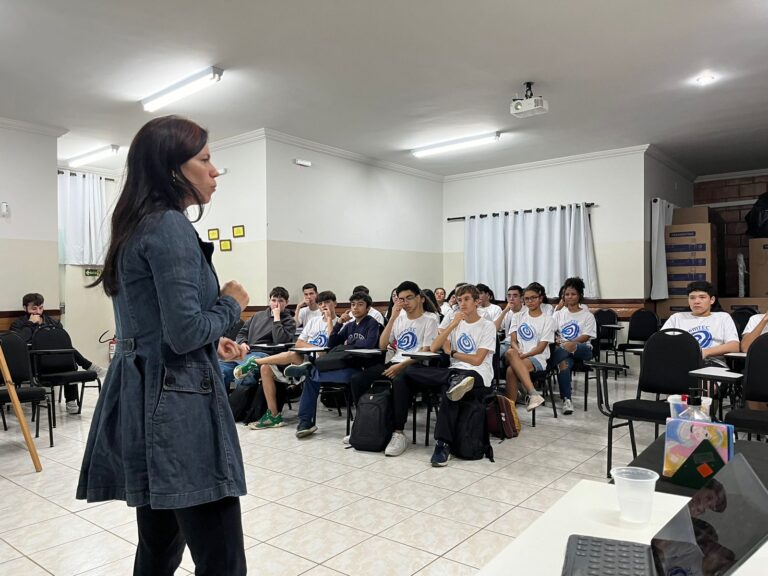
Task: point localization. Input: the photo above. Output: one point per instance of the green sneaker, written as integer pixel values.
(241, 370)
(267, 421)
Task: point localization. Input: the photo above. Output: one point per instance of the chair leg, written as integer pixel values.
(586, 389)
(36, 408)
(61, 389)
(33, 411)
(632, 439)
(53, 407)
(2, 412)
(50, 423)
(80, 400)
(429, 417)
(655, 431)
(551, 394)
(610, 447)
(348, 398)
(533, 418)
(414, 415)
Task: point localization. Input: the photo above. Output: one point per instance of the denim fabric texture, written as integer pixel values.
(162, 432)
(564, 377)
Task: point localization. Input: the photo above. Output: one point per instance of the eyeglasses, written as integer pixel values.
(531, 298)
(407, 299)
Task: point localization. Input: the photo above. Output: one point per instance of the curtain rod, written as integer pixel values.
(550, 208)
(73, 174)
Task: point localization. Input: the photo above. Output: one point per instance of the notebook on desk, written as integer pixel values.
(724, 523)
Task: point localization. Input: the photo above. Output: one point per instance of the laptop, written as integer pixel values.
(723, 524)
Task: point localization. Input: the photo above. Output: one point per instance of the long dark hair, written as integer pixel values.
(153, 183)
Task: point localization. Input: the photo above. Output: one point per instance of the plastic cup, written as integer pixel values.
(634, 489)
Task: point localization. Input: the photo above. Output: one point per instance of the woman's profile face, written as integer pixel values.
(199, 171)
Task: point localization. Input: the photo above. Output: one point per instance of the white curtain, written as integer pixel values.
(545, 246)
(83, 226)
(661, 216)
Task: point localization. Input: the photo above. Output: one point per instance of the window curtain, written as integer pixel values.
(522, 247)
(83, 226)
(661, 216)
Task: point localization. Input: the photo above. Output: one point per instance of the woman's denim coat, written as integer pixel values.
(163, 433)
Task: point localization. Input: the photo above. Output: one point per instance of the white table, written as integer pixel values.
(589, 508)
(716, 374)
(735, 354)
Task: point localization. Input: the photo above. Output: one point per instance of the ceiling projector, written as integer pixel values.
(525, 107)
(530, 105)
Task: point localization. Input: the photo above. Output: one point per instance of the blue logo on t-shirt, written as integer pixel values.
(407, 340)
(526, 332)
(321, 340)
(570, 330)
(466, 344)
(703, 336)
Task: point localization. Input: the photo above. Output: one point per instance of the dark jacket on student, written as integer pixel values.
(163, 433)
(363, 334)
(26, 328)
(261, 327)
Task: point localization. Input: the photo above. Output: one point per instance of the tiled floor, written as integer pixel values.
(314, 507)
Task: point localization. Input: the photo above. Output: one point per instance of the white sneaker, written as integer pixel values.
(72, 407)
(459, 387)
(345, 440)
(100, 372)
(397, 445)
(534, 401)
(567, 406)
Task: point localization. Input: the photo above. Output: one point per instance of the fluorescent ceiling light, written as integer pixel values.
(93, 156)
(452, 145)
(194, 83)
(706, 78)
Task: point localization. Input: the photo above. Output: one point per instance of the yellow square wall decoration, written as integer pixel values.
(225, 245)
(238, 231)
(213, 234)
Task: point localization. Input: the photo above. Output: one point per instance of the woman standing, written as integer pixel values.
(163, 438)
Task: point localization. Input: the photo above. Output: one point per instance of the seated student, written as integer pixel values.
(575, 327)
(756, 326)
(371, 310)
(31, 321)
(487, 308)
(392, 302)
(361, 332)
(714, 331)
(409, 332)
(529, 350)
(274, 325)
(442, 302)
(308, 308)
(561, 300)
(546, 307)
(470, 340)
(315, 333)
(508, 316)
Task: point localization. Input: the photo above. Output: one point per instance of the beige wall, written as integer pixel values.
(341, 268)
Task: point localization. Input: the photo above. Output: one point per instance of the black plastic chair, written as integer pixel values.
(642, 325)
(53, 364)
(607, 336)
(741, 317)
(17, 358)
(545, 379)
(755, 389)
(580, 366)
(668, 357)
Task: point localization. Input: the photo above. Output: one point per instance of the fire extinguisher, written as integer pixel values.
(112, 344)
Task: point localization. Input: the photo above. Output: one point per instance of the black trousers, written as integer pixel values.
(401, 391)
(213, 532)
(448, 413)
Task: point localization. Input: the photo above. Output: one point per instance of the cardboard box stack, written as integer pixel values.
(758, 267)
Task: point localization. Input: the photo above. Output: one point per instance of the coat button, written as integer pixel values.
(206, 384)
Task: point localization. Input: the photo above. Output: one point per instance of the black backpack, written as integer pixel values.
(248, 403)
(471, 440)
(373, 425)
(757, 218)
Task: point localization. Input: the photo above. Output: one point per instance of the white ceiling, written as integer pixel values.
(381, 77)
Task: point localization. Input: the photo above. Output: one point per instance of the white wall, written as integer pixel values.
(662, 181)
(344, 222)
(240, 198)
(613, 180)
(29, 238)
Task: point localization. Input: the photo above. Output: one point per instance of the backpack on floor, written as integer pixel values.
(501, 417)
(248, 403)
(333, 398)
(470, 439)
(373, 425)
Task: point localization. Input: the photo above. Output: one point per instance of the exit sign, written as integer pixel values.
(92, 272)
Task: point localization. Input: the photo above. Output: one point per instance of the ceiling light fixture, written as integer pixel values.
(453, 145)
(706, 78)
(93, 156)
(182, 89)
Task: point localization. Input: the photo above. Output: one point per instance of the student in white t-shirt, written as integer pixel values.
(575, 328)
(442, 302)
(487, 308)
(508, 316)
(308, 308)
(315, 333)
(531, 337)
(714, 331)
(757, 326)
(470, 341)
(411, 330)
